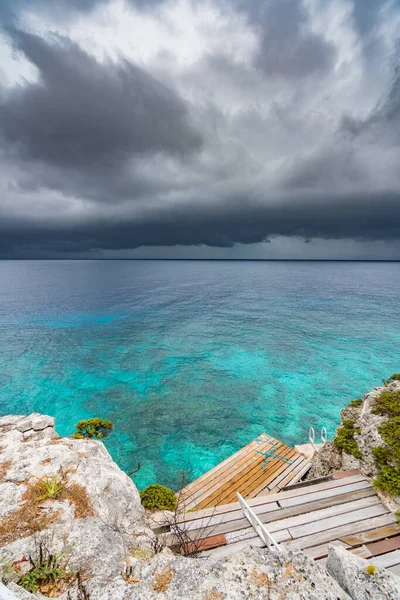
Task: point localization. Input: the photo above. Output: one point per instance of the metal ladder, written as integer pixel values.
(311, 437)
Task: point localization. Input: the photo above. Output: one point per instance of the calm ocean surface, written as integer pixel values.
(192, 360)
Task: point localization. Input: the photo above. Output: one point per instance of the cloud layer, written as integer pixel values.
(127, 124)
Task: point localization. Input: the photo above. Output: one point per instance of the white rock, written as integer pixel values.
(351, 574)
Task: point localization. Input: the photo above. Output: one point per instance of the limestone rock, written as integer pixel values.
(351, 574)
(330, 459)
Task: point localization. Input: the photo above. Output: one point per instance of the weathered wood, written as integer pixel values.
(286, 503)
(343, 485)
(322, 550)
(336, 533)
(193, 494)
(344, 474)
(236, 473)
(232, 548)
(336, 521)
(361, 551)
(387, 560)
(310, 523)
(384, 546)
(395, 570)
(372, 536)
(235, 521)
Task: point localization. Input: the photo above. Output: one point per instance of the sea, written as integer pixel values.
(192, 360)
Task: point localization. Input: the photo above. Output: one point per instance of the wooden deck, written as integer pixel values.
(344, 510)
(246, 472)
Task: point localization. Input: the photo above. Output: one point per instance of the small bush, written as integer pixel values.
(356, 403)
(394, 377)
(388, 480)
(371, 570)
(158, 497)
(93, 428)
(344, 439)
(48, 574)
(388, 404)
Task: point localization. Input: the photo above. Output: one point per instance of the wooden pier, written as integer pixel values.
(343, 510)
(262, 467)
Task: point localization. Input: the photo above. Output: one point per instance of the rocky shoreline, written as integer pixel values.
(96, 538)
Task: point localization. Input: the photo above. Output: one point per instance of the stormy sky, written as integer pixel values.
(188, 128)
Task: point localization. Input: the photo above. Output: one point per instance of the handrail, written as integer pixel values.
(259, 527)
(311, 437)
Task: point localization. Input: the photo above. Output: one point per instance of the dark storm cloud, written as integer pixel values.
(83, 113)
(102, 155)
(360, 217)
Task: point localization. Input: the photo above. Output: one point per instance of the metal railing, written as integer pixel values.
(311, 437)
(259, 527)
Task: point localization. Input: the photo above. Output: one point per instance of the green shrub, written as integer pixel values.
(158, 497)
(388, 480)
(387, 458)
(356, 403)
(394, 377)
(48, 574)
(344, 439)
(93, 428)
(387, 404)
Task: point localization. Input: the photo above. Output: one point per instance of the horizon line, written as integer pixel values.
(366, 260)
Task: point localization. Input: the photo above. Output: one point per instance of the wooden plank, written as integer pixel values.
(289, 472)
(344, 474)
(236, 472)
(224, 464)
(240, 483)
(322, 550)
(395, 570)
(319, 520)
(193, 494)
(384, 546)
(261, 477)
(232, 548)
(387, 560)
(214, 541)
(331, 522)
(343, 484)
(262, 480)
(250, 533)
(272, 512)
(337, 533)
(286, 503)
(371, 536)
(235, 521)
(361, 551)
(299, 474)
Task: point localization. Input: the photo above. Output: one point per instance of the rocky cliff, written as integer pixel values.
(362, 431)
(93, 539)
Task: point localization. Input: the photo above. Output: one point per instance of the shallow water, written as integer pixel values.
(192, 360)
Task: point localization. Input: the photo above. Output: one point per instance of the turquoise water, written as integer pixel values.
(192, 360)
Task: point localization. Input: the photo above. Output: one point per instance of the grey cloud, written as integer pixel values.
(83, 113)
(362, 217)
(288, 47)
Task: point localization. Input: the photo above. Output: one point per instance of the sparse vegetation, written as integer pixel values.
(4, 466)
(356, 403)
(394, 377)
(48, 575)
(387, 457)
(162, 581)
(214, 595)
(158, 497)
(371, 570)
(76, 494)
(344, 439)
(26, 520)
(93, 428)
(50, 487)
